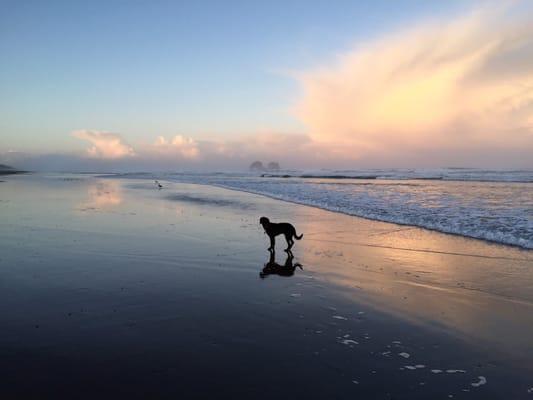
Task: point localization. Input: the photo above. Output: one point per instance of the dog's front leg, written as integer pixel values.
(272, 243)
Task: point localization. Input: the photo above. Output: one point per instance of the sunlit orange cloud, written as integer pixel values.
(457, 86)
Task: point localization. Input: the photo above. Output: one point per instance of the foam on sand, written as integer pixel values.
(413, 367)
(340, 317)
(482, 381)
(348, 342)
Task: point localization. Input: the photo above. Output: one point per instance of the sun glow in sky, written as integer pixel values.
(311, 84)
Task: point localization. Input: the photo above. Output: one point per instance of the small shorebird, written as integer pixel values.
(158, 185)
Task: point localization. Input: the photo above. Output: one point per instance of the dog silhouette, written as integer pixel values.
(283, 228)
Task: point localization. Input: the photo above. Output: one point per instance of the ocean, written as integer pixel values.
(493, 205)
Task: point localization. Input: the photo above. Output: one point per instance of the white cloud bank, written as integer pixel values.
(185, 151)
(105, 145)
(180, 145)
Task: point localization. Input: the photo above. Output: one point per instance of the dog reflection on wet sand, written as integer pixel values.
(273, 268)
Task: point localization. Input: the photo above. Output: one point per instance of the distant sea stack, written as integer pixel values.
(7, 170)
(273, 166)
(257, 166)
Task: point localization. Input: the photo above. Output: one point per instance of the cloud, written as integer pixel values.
(179, 145)
(105, 145)
(431, 92)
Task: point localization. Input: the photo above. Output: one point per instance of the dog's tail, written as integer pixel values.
(298, 237)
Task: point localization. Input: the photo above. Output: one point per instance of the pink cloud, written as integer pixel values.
(178, 145)
(105, 145)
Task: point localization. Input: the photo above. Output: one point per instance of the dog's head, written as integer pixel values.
(264, 221)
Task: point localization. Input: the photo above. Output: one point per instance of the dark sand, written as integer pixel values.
(114, 289)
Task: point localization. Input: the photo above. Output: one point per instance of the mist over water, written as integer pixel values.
(494, 205)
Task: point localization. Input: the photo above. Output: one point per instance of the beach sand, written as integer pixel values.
(113, 289)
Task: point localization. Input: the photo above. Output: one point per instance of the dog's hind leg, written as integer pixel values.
(290, 243)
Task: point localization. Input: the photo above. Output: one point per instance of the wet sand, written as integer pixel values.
(111, 288)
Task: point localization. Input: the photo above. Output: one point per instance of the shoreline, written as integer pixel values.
(495, 242)
(502, 234)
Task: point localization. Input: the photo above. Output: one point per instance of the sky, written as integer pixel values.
(311, 84)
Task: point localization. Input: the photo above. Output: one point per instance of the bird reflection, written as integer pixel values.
(273, 268)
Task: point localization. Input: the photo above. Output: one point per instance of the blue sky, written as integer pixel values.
(161, 68)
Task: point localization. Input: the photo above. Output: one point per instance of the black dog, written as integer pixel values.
(283, 228)
(273, 268)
